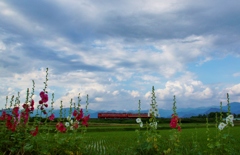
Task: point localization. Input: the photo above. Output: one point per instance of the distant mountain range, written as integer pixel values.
(182, 112)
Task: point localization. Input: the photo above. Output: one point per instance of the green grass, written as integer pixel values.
(114, 138)
(123, 142)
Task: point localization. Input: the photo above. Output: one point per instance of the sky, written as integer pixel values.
(115, 51)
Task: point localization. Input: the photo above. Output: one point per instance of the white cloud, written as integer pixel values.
(99, 99)
(236, 74)
(2, 46)
(114, 51)
(135, 94)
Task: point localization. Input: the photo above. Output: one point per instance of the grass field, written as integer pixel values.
(122, 142)
(115, 138)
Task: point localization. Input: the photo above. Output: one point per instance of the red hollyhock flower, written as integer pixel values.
(44, 111)
(15, 111)
(3, 117)
(8, 117)
(46, 105)
(34, 132)
(42, 94)
(75, 113)
(11, 125)
(179, 128)
(80, 115)
(25, 116)
(51, 117)
(174, 121)
(44, 97)
(32, 103)
(42, 108)
(32, 109)
(85, 120)
(60, 127)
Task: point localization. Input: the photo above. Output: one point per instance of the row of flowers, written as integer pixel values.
(16, 117)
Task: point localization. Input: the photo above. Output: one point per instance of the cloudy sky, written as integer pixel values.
(115, 51)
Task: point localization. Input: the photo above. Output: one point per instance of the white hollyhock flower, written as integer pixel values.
(67, 124)
(141, 124)
(68, 118)
(153, 124)
(138, 120)
(221, 126)
(229, 120)
(230, 117)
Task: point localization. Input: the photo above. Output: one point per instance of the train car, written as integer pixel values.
(122, 115)
(142, 115)
(112, 115)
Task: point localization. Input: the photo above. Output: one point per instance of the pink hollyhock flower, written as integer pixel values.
(85, 120)
(51, 117)
(40, 102)
(34, 132)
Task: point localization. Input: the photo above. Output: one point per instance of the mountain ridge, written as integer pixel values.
(182, 112)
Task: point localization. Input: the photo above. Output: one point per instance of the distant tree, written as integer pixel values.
(213, 114)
